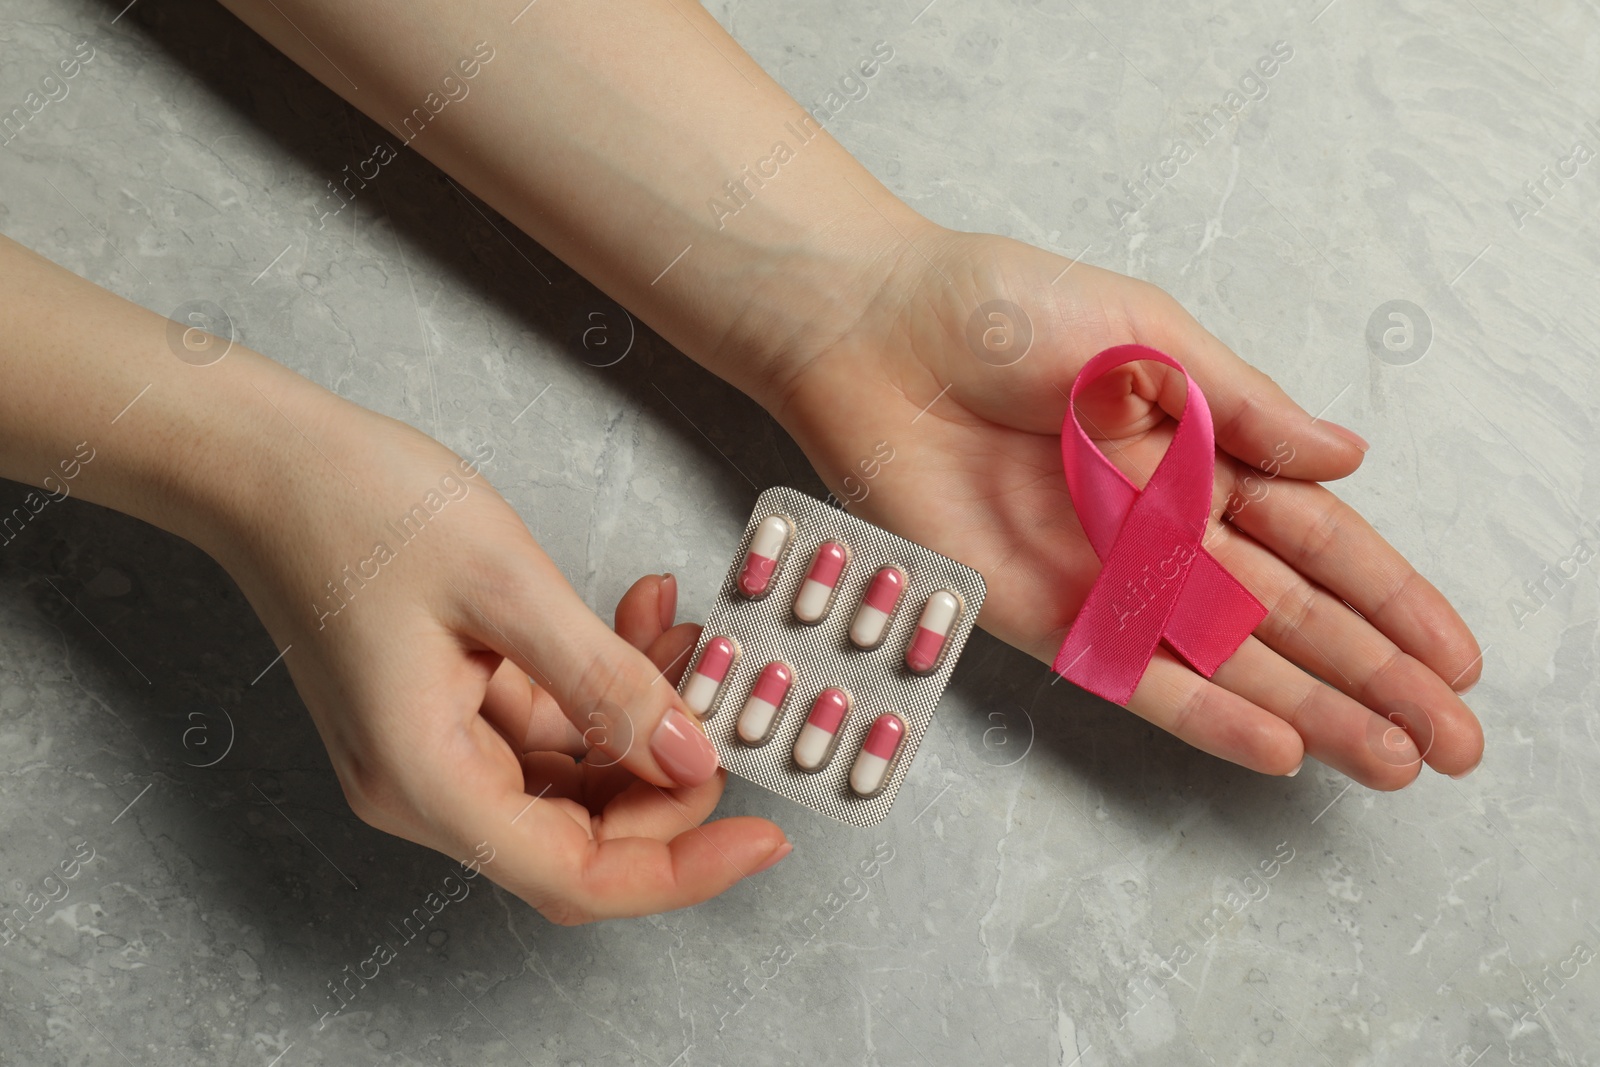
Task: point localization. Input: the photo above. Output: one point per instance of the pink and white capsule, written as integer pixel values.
(760, 710)
(871, 768)
(816, 594)
(818, 737)
(761, 559)
(872, 617)
(705, 684)
(939, 617)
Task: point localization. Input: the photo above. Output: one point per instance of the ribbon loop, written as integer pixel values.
(1156, 581)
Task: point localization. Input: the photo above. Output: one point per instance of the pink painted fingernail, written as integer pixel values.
(682, 750)
(772, 860)
(1348, 434)
(668, 599)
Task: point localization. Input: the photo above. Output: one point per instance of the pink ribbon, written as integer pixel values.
(1156, 581)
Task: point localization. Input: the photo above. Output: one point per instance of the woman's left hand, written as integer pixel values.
(923, 428)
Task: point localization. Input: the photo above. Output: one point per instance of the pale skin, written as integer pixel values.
(827, 300)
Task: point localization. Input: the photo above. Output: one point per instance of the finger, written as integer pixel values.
(629, 807)
(614, 802)
(1213, 719)
(1311, 627)
(610, 690)
(529, 718)
(1255, 420)
(639, 876)
(647, 609)
(602, 775)
(670, 651)
(1328, 541)
(526, 716)
(1335, 729)
(545, 855)
(645, 810)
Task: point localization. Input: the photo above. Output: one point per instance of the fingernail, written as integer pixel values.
(682, 750)
(772, 860)
(668, 599)
(1348, 434)
(1296, 771)
(1469, 770)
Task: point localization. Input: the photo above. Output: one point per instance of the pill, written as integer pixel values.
(760, 710)
(872, 617)
(814, 746)
(761, 560)
(871, 768)
(816, 594)
(705, 684)
(939, 617)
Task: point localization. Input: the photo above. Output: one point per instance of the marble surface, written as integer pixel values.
(1059, 884)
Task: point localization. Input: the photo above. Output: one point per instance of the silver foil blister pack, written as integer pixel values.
(765, 630)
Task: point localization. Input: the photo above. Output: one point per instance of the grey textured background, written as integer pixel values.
(1049, 853)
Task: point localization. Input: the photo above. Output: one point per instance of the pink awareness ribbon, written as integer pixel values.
(1156, 581)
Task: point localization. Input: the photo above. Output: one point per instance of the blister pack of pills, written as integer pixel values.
(826, 652)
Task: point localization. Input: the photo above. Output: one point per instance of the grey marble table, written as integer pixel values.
(1059, 884)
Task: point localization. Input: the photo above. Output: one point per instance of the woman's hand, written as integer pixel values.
(972, 428)
(416, 605)
(410, 601)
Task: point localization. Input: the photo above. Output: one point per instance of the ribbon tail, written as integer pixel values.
(1110, 643)
(1214, 616)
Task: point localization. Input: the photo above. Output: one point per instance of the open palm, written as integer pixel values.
(937, 418)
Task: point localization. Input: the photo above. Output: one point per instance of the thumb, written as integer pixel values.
(1256, 421)
(625, 708)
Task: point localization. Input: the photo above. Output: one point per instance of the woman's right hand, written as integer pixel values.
(410, 601)
(414, 605)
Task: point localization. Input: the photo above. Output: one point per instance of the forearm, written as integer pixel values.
(619, 137)
(96, 403)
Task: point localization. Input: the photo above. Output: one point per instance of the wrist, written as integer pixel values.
(819, 290)
(220, 450)
(150, 416)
